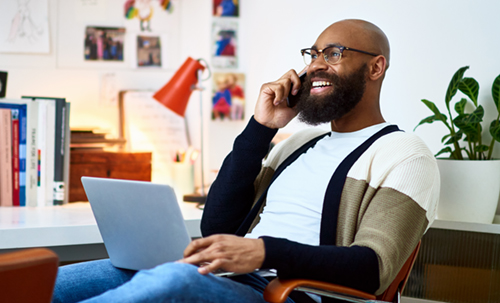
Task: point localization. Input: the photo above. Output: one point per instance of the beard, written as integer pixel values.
(346, 94)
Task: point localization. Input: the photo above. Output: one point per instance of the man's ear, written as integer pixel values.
(378, 66)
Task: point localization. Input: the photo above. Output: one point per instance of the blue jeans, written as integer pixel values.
(100, 281)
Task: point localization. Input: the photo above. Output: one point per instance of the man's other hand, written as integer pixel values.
(226, 252)
(271, 109)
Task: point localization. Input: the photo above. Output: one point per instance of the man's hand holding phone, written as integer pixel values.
(271, 109)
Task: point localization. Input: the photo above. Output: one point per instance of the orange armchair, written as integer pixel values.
(278, 290)
(28, 276)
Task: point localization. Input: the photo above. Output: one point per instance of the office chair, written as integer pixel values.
(28, 275)
(278, 290)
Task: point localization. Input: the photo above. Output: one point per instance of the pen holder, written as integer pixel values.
(183, 179)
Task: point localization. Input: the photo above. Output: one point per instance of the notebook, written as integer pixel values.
(141, 223)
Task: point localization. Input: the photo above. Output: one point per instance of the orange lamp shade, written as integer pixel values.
(175, 94)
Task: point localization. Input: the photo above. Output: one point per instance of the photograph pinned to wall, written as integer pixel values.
(24, 26)
(225, 43)
(226, 8)
(143, 11)
(228, 96)
(104, 43)
(148, 51)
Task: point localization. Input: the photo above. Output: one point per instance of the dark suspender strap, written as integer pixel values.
(245, 226)
(333, 194)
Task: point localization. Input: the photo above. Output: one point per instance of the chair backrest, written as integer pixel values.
(400, 281)
(28, 275)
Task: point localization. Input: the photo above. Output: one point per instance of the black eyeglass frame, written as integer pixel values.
(340, 47)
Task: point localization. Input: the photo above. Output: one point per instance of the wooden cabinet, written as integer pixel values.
(130, 166)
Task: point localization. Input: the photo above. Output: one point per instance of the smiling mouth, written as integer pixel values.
(318, 84)
(319, 87)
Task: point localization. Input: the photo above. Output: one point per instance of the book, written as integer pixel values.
(57, 186)
(23, 134)
(5, 157)
(28, 160)
(41, 151)
(48, 152)
(66, 153)
(60, 138)
(15, 156)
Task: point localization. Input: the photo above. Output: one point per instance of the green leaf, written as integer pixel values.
(429, 119)
(444, 150)
(473, 132)
(445, 137)
(460, 106)
(455, 138)
(465, 120)
(495, 130)
(461, 121)
(438, 115)
(453, 86)
(469, 124)
(470, 87)
(495, 92)
(481, 148)
(477, 115)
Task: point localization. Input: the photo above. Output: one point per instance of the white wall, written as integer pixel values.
(429, 40)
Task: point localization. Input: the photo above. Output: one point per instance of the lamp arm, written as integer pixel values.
(200, 88)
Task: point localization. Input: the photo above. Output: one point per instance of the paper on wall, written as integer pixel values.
(152, 127)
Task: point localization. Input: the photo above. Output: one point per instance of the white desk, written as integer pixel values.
(69, 230)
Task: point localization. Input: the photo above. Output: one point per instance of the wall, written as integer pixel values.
(429, 40)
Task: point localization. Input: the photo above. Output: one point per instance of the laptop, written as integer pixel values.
(141, 223)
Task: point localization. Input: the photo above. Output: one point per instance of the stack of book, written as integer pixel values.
(34, 151)
(92, 139)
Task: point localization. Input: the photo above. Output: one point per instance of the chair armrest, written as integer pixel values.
(28, 275)
(277, 291)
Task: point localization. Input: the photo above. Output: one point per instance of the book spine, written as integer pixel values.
(15, 157)
(23, 125)
(60, 134)
(31, 154)
(5, 157)
(49, 152)
(67, 141)
(41, 150)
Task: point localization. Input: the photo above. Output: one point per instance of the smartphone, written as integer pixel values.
(291, 101)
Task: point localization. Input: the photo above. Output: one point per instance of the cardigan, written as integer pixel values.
(388, 201)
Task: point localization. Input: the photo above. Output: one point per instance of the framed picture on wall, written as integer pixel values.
(104, 43)
(148, 51)
(3, 84)
(228, 96)
(225, 43)
(24, 26)
(226, 8)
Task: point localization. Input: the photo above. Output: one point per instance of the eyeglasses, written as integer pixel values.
(332, 54)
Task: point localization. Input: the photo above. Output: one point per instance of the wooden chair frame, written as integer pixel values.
(278, 290)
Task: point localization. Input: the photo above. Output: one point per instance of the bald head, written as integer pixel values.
(362, 35)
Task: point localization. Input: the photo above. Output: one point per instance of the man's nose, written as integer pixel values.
(318, 64)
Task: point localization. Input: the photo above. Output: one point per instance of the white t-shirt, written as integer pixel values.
(295, 199)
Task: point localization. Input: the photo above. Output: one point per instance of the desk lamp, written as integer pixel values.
(175, 96)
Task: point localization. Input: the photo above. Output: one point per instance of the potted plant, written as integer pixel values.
(470, 178)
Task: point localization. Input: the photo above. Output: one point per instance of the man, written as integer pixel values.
(322, 217)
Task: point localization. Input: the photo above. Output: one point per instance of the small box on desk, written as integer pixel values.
(117, 165)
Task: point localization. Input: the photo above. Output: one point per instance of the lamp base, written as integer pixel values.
(197, 198)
